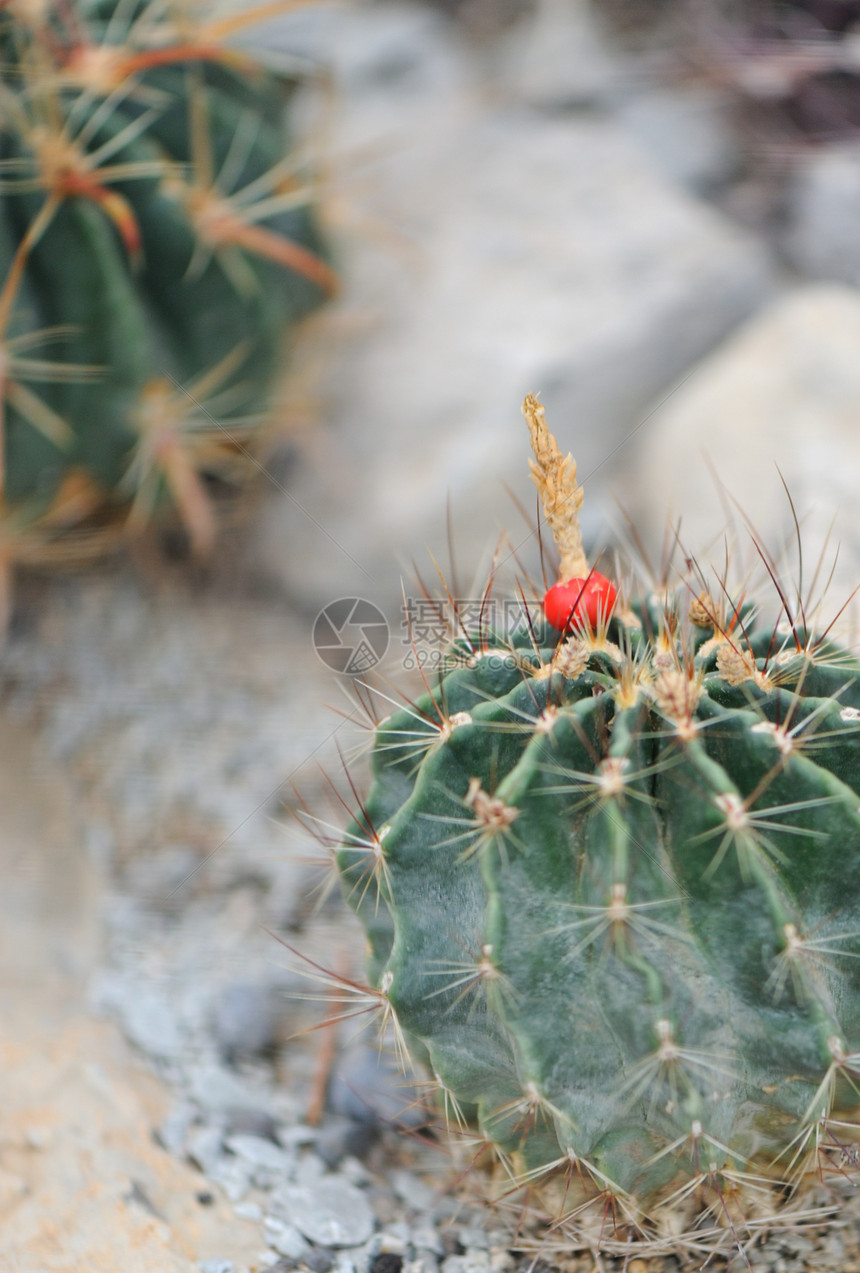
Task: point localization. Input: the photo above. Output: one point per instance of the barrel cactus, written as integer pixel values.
(609, 870)
(158, 241)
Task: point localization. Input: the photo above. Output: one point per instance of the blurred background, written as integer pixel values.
(647, 212)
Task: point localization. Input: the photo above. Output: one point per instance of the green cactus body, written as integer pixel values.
(157, 241)
(611, 885)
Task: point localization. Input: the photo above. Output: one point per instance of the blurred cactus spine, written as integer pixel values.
(157, 238)
(611, 886)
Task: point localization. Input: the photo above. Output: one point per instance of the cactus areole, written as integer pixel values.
(611, 886)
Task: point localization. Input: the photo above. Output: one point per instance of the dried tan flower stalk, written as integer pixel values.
(554, 475)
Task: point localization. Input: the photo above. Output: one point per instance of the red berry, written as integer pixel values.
(568, 604)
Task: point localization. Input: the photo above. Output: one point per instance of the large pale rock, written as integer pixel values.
(781, 397)
(556, 56)
(822, 235)
(686, 133)
(521, 252)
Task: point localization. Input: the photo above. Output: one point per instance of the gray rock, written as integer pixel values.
(320, 1260)
(149, 1023)
(309, 1167)
(204, 1147)
(784, 391)
(285, 1239)
(419, 1196)
(172, 1132)
(685, 132)
(365, 1254)
(245, 1020)
(394, 55)
(248, 1211)
(425, 1237)
(354, 1170)
(330, 1212)
(218, 1091)
(425, 1262)
(556, 57)
(822, 234)
(475, 1261)
(216, 1266)
(395, 1238)
(234, 1176)
(251, 1121)
(341, 1138)
(296, 1135)
(260, 1153)
(471, 1236)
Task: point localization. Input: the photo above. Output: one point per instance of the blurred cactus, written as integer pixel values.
(157, 240)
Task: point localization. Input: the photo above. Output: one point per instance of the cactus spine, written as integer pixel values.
(611, 886)
(157, 242)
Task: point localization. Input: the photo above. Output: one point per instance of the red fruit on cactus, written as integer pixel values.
(569, 604)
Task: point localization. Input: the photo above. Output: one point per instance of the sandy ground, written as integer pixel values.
(83, 1185)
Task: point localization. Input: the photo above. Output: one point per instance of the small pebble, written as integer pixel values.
(215, 1090)
(216, 1266)
(329, 1212)
(251, 1122)
(395, 1239)
(309, 1167)
(286, 1240)
(320, 1260)
(260, 1153)
(203, 1147)
(474, 1261)
(245, 1020)
(173, 1131)
(342, 1138)
(424, 1262)
(148, 1022)
(387, 1262)
(353, 1170)
(293, 1137)
(415, 1192)
(233, 1176)
(426, 1238)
